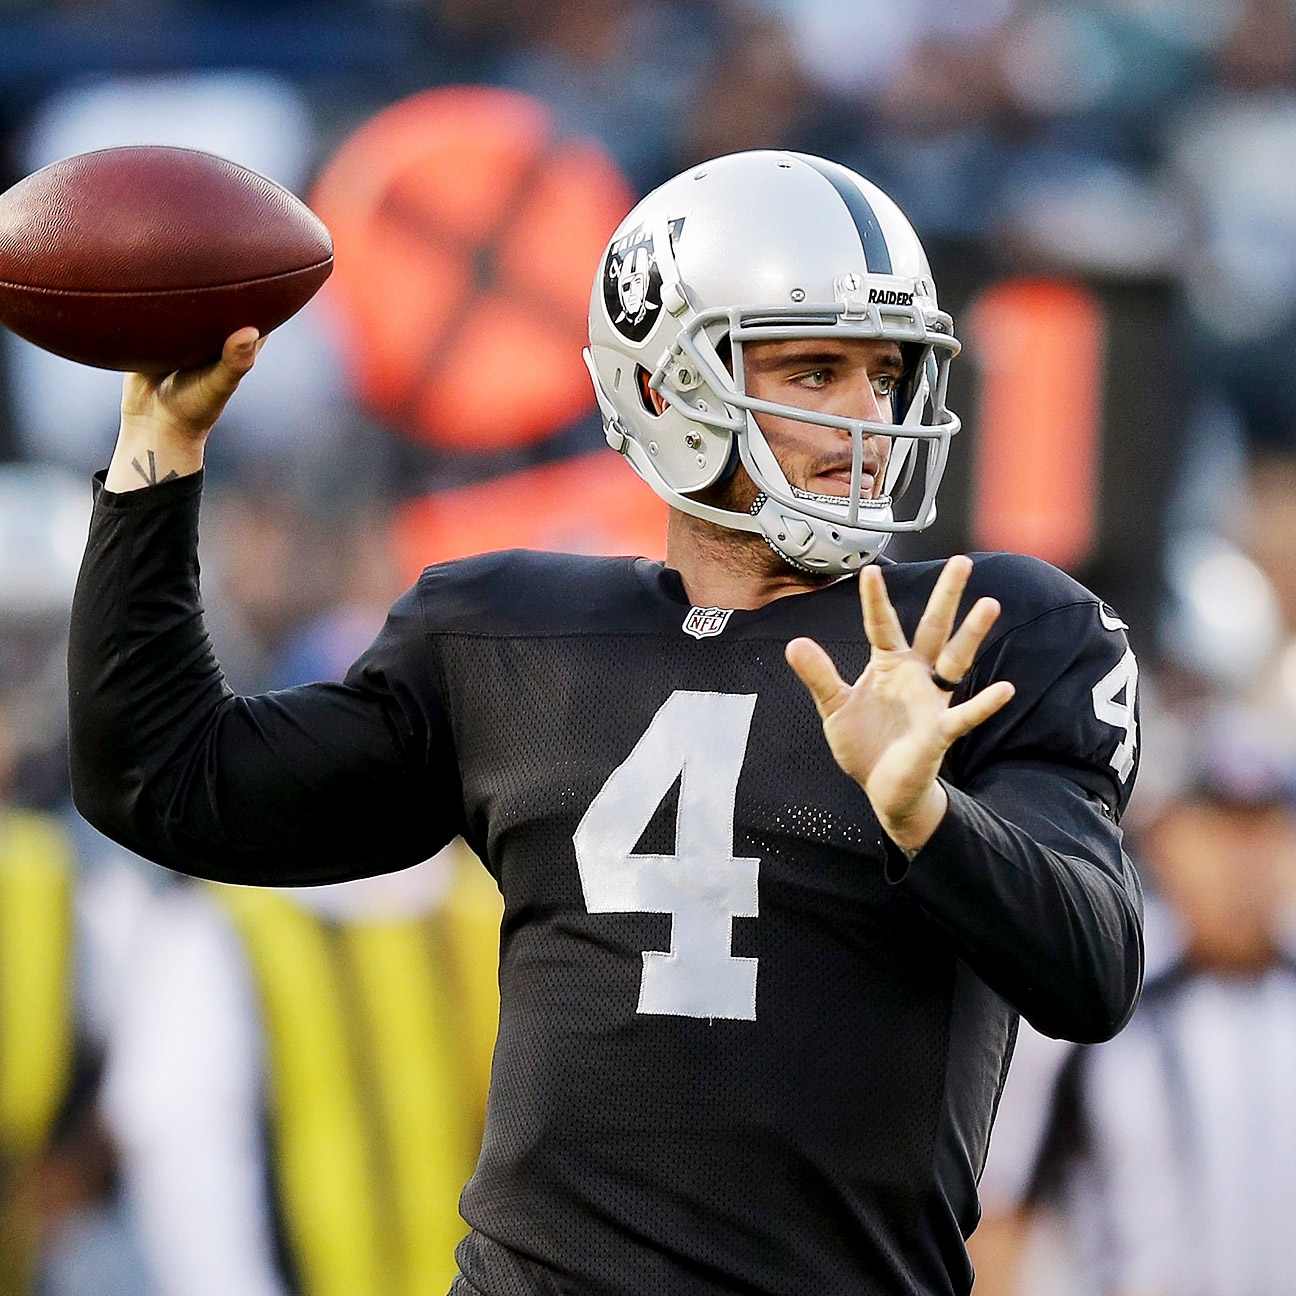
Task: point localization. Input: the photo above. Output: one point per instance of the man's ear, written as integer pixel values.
(653, 401)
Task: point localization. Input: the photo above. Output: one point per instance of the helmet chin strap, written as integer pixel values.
(812, 545)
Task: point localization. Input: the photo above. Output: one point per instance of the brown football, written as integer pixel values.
(146, 258)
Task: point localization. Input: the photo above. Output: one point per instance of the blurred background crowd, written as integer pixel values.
(210, 1090)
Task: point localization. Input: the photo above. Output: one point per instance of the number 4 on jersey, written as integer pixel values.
(1113, 704)
(701, 740)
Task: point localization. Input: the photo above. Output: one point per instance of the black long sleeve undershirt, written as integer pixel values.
(313, 784)
(1026, 842)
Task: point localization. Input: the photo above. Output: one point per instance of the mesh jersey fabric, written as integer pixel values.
(813, 1148)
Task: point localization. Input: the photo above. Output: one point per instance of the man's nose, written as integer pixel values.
(865, 403)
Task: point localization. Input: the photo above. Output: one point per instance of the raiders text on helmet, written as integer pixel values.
(768, 246)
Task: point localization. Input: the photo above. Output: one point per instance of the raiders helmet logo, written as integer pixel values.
(632, 282)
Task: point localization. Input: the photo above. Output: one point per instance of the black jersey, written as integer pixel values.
(745, 1045)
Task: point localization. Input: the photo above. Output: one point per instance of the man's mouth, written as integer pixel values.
(835, 480)
(842, 477)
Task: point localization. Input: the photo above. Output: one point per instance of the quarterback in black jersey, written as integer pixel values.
(777, 886)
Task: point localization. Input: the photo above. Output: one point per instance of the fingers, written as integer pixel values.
(942, 606)
(956, 658)
(241, 347)
(881, 624)
(965, 717)
(237, 356)
(815, 669)
(196, 397)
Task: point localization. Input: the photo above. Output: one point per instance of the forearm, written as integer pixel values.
(1027, 879)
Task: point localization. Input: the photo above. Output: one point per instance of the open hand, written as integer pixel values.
(890, 730)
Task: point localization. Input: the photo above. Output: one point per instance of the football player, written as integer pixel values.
(767, 930)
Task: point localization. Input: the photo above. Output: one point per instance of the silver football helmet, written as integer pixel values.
(768, 246)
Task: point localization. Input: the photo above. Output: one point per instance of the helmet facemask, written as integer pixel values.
(820, 533)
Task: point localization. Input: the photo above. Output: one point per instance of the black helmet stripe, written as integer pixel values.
(877, 256)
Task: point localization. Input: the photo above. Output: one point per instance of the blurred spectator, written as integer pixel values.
(619, 70)
(1027, 125)
(326, 45)
(1229, 151)
(1171, 1155)
(298, 1082)
(1086, 90)
(752, 93)
(69, 902)
(1221, 627)
(859, 47)
(909, 94)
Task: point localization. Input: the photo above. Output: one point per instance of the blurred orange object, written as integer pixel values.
(590, 504)
(1040, 345)
(466, 234)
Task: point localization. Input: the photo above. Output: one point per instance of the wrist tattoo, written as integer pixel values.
(150, 474)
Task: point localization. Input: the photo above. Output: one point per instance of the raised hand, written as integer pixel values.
(165, 420)
(891, 729)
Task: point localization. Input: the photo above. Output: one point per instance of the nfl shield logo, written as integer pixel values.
(702, 623)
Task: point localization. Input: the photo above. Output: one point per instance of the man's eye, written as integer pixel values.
(815, 378)
(885, 384)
